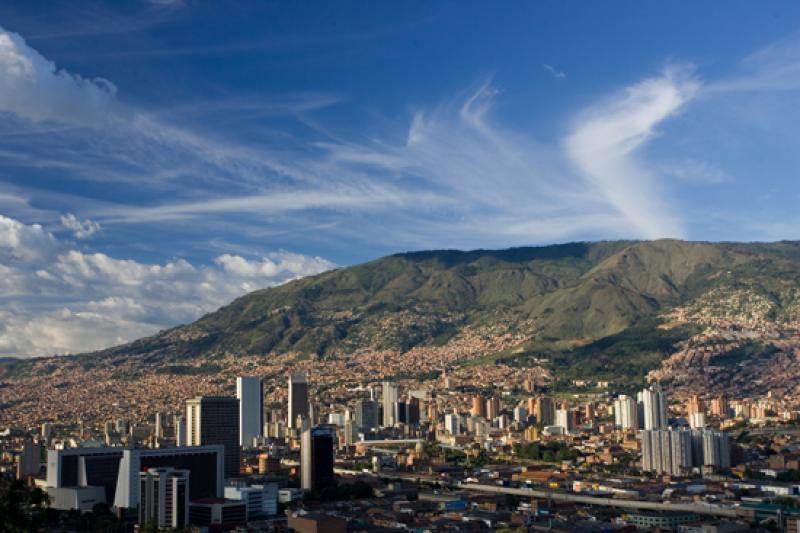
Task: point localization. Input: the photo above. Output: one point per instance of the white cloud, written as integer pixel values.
(81, 230)
(33, 88)
(62, 300)
(695, 171)
(20, 242)
(559, 75)
(605, 139)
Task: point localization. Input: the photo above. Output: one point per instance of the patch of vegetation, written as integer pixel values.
(746, 352)
(551, 452)
(623, 359)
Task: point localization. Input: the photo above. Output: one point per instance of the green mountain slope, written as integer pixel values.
(560, 296)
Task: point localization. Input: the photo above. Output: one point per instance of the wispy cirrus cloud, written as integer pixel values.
(557, 74)
(607, 136)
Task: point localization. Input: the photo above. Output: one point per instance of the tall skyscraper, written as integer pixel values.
(412, 411)
(30, 461)
(250, 392)
(716, 448)
(625, 412)
(390, 395)
(215, 420)
(298, 399)
(366, 415)
(653, 405)
(479, 406)
(164, 498)
(545, 410)
(316, 457)
(492, 407)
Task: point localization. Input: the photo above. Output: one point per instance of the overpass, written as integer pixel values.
(705, 509)
(564, 497)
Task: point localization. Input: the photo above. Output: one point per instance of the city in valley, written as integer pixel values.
(363, 266)
(431, 443)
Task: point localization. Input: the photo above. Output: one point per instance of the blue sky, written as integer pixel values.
(192, 151)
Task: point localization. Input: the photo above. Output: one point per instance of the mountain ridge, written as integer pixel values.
(555, 297)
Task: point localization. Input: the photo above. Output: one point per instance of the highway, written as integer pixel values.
(707, 509)
(702, 509)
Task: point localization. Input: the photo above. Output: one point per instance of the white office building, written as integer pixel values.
(261, 500)
(164, 497)
(626, 414)
(653, 405)
(564, 420)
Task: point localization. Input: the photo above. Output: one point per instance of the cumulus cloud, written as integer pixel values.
(606, 137)
(81, 230)
(33, 88)
(20, 242)
(62, 300)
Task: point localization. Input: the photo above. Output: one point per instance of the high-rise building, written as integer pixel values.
(366, 415)
(653, 404)
(452, 423)
(667, 451)
(215, 420)
(412, 412)
(492, 408)
(316, 457)
(298, 399)
(520, 415)
(478, 406)
(719, 407)
(250, 392)
(563, 419)
(400, 412)
(625, 412)
(180, 430)
(673, 451)
(30, 461)
(158, 429)
(390, 395)
(164, 498)
(545, 410)
(716, 448)
(47, 431)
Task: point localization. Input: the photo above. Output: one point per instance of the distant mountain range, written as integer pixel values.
(571, 298)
